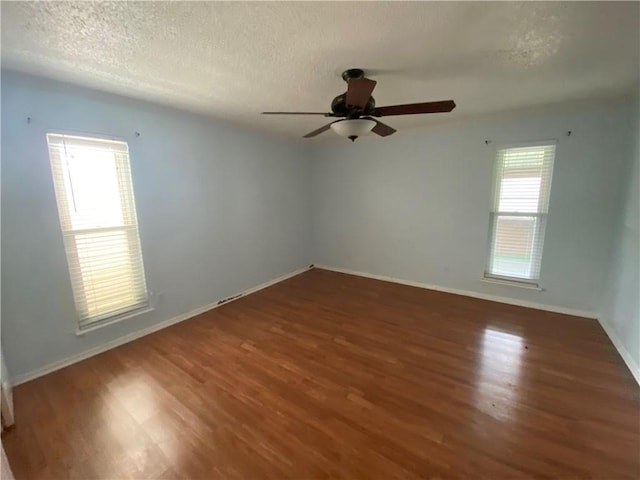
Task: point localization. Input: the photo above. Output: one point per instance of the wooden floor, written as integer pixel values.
(328, 375)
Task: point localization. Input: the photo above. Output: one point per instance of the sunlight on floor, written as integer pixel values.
(499, 376)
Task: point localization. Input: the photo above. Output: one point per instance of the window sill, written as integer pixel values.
(80, 331)
(513, 283)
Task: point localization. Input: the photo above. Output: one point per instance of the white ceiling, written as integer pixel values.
(232, 60)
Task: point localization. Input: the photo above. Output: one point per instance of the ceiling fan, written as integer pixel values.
(357, 108)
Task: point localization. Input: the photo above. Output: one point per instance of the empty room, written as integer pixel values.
(304, 240)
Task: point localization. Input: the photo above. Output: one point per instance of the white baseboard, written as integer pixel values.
(164, 324)
(622, 350)
(52, 367)
(613, 336)
(467, 293)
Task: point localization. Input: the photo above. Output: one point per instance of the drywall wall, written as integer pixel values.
(621, 305)
(416, 206)
(220, 210)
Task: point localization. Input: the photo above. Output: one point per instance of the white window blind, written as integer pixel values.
(519, 214)
(92, 181)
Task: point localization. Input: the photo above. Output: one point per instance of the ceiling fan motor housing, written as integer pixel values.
(339, 107)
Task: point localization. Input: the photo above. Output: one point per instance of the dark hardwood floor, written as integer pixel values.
(328, 375)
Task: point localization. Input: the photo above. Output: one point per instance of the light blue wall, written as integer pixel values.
(220, 210)
(416, 206)
(622, 301)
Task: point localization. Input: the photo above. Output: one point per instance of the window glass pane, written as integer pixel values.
(520, 194)
(91, 183)
(105, 261)
(513, 246)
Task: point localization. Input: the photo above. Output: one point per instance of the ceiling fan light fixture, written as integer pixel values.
(353, 128)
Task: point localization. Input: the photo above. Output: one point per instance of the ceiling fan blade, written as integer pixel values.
(359, 92)
(318, 131)
(415, 108)
(297, 113)
(382, 129)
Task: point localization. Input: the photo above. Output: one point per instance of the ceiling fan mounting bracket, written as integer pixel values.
(352, 73)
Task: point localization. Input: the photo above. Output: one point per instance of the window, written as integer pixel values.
(94, 193)
(519, 212)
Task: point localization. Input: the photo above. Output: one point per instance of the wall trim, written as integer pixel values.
(466, 293)
(622, 350)
(52, 367)
(65, 362)
(607, 327)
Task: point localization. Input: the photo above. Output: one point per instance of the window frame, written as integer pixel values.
(69, 236)
(540, 224)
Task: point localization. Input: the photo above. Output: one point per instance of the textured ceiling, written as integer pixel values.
(232, 60)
